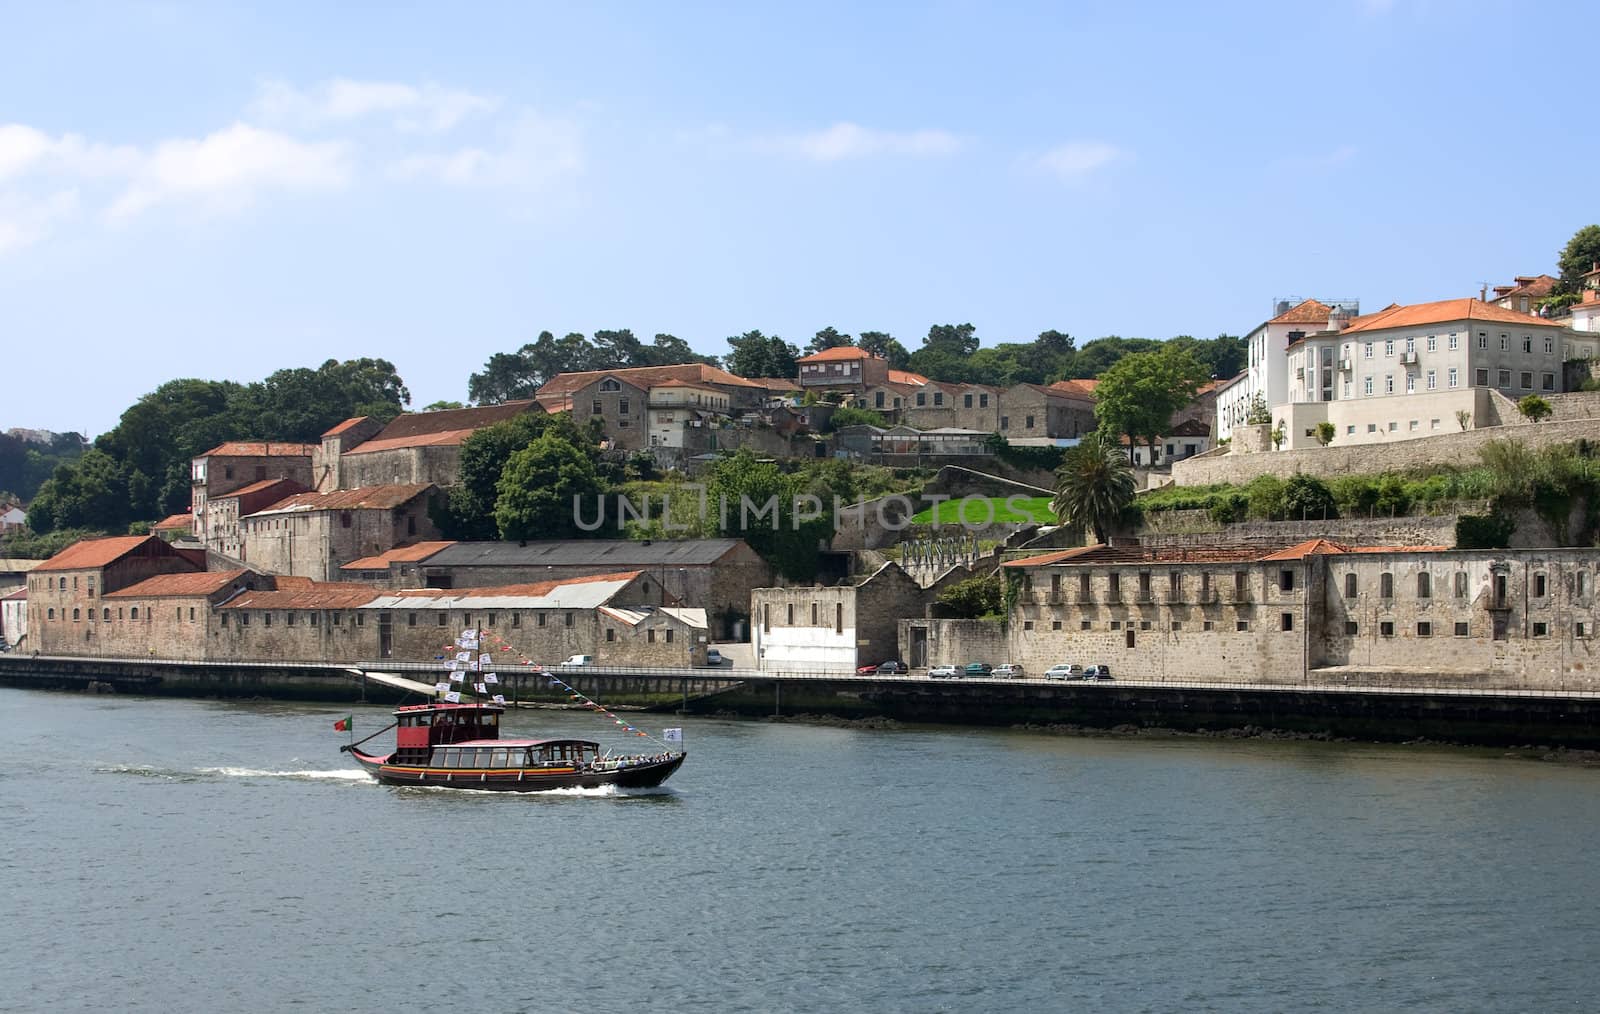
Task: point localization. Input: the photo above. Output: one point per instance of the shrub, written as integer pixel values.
(1534, 408)
(1306, 496)
(1265, 495)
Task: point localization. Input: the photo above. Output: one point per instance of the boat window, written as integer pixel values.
(498, 760)
(424, 719)
(484, 758)
(491, 720)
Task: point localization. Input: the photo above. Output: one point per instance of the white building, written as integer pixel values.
(1267, 374)
(14, 616)
(12, 517)
(677, 405)
(1586, 315)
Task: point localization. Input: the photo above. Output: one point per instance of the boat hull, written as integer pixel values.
(643, 775)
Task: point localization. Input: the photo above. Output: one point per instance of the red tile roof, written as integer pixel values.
(1327, 547)
(837, 354)
(347, 424)
(409, 552)
(259, 486)
(1534, 287)
(95, 552)
(1309, 311)
(561, 387)
(1084, 388)
(1442, 312)
(367, 498)
(309, 595)
(445, 428)
(774, 383)
(20, 595)
(174, 523)
(179, 585)
(907, 377)
(505, 590)
(1046, 559)
(683, 383)
(259, 449)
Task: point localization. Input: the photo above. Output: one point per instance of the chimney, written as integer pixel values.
(1483, 293)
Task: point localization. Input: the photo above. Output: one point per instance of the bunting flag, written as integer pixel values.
(499, 698)
(452, 665)
(453, 697)
(480, 688)
(463, 656)
(485, 659)
(456, 677)
(442, 688)
(490, 677)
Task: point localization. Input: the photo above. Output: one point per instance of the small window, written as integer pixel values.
(1286, 621)
(1055, 624)
(611, 634)
(569, 619)
(1242, 626)
(266, 618)
(1386, 586)
(361, 619)
(1115, 624)
(1349, 586)
(516, 619)
(76, 611)
(788, 614)
(1424, 629)
(622, 405)
(1577, 631)
(669, 635)
(1082, 625)
(1463, 629)
(1144, 624)
(443, 618)
(1461, 584)
(1177, 625)
(50, 614)
(1026, 624)
(650, 635)
(1351, 628)
(288, 619)
(1386, 628)
(1424, 585)
(1541, 630)
(411, 619)
(1206, 625)
(1286, 580)
(1538, 586)
(1240, 582)
(966, 401)
(541, 619)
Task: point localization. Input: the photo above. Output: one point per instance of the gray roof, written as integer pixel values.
(623, 554)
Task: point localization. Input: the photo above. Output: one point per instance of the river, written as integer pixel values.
(172, 855)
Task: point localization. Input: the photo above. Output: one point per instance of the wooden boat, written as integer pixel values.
(458, 746)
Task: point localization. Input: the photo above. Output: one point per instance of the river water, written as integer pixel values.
(170, 855)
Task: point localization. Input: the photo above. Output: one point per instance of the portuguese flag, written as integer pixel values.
(344, 724)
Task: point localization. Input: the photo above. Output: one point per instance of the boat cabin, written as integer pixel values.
(551, 753)
(420, 728)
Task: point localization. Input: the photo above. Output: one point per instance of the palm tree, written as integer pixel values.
(1093, 484)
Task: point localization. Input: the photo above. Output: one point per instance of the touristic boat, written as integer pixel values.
(458, 746)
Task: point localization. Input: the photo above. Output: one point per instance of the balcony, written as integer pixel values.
(1408, 359)
(1345, 366)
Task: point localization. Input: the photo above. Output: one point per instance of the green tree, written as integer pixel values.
(753, 500)
(828, 338)
(1581, 254)
(1257, 414)
(884, 346)
(849, 415)
(757, 355)
(1534, 408)
(1094, 484)
(1326, 431)
(974, 598)
(468, 512)
(1139, 395)
(537, 489)
(440, 406)
(517, 376)
(1306, 497)
(91, 492)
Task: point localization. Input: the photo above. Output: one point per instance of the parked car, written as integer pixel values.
(715, 658)
(1064, 671)
(1008, 671)
(866, 670)
(979, 669)
(1097, 672)
(942, 672)
(892, 668)
(577, 661)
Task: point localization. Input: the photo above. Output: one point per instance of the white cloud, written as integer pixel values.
(24, 222)
(533, 151)
(25, 150)
(1077, 158)
(849, 140)
(422, 108)
(226, 169)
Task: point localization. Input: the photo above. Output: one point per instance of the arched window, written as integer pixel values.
(133, 613)
(75, 616)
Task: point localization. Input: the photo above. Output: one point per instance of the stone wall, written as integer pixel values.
(1432, 530)
(926, 642)
(1573, 405)
(1327, 462)
(440, 465)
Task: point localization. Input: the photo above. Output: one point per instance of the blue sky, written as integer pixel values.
(219, 191)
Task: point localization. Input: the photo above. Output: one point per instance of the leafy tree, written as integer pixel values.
(975, 597)
(789, 543)
(538, 487)
(1307, 497)
(1258, 415)
(1094, 484)
(1094, 358)
(440, 406)
(849, 415)
(828, 338)
(1581, 254)
(1139, 395)
(884, 346)
(468, 512)
(757, 355)
(91, 492)
(670, 350)
(1326, 431)
(1534, 408)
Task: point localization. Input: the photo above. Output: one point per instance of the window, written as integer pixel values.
(1386, 628)
(1286, 621)
(567, 620)
(611, 634)
(1393, 426)
(1580, 583)
(1577, 631)
(75, 612)
(1453, 377)
(1350, 628)
(1461, 584)
(1454, 343)
(1541, 630)
(1116, 624)
(1505, 378)
(1367, 386)
(1084, 625)
(1055, 624)
(1286, 580)
(50, 614)
(1027, 422)
(983, 401)
(622, 406)
(106, 615)
(1372, 427)
(650, 635)
(1505, 343)
(288, 619)
(966, 401)
(1242, 626)
(1240, 583)
(938, 399)
(1144, 584)
(1083, 586)
(1463, 628)
(1174, 583)
(1549, 346)
(1177, 625)
(1483, 339)
(1388, 383)
(1005, 422)
(1481, 378)
(922, 398)
(1027, 624)
(1538, 586)
(788, 614)
(516, 619)
(1386, 586)
(596, 408)
(344, 519)
(1433, 380)
(1368, 353)
(1347, 393)
(1547, 382)
(1527, 381)
(1114, 585)
(1424, 629)
(1527, 345)
(610, 384)
(1433, 343)
(1424, 585)
(266, 618)
(1388, 348)
(1411, 384)
(442, 619)
(1206, 625)
(541, 619)
(1350, 428)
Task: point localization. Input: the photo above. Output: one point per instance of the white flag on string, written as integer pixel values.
(485, 660)
(451, 665)
(442, 687)
(672, 735)
(453, 697)
(463, 656)
(490, 677)
(455, 677)
(499, 698)
(480, 688)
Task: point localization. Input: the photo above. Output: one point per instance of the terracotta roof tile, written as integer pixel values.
(20, 595)
(259, 449)
(174, 523)
(409, 552)
(1049, 558)
(443, 438)
(907, 377)
(775, 383)
(179, 585)
(1443, 312)
(260, 486)
(562, 386)
(95, 552)
(1084, 388)
(311, 595)
(1309, 311)
(443, 428)
(837, 354)
(532, 589)
(347, 424)
(368, 498)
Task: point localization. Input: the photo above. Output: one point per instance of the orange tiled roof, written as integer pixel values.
(94, 552)
(1534, 287)
(1441, 312)
(774, 383)
(837, 354)
(258, 486)
(179, 585)
(259, 449)
(1079, 387)
(347, 424)
(367, 498)
(174, 523)
(563, 385)
(444, 438)
(1327, 547)
(1309, 311)
(444, 428)
(1046, 559)
(683, 383)
(408, 552)
(307, 595)
(907, 377)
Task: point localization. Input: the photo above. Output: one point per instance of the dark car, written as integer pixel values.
(892, 668)
(1097, 672)
(979, 669)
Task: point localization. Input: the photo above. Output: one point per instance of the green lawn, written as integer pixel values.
(1034, 508)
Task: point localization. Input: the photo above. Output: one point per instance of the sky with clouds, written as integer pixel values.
(218, 191)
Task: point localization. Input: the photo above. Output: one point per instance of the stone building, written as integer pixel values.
(1061, 411)
(843, 368)
(621, 400)
(621, 619)
(1523, 294)
(936, 405)
(314, 534)
(834, 629)
(223, 512)
(239, 463)
(715, 574)
(65, 592)
(413, 449)
(1318, 612)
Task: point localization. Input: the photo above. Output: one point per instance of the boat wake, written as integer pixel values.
(201, 774)
(575, 792)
